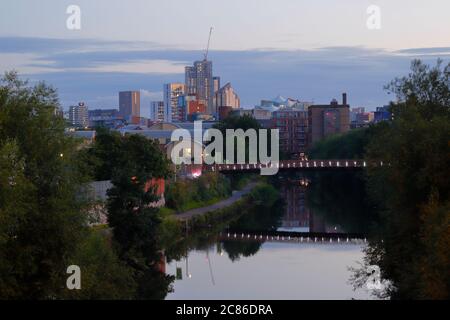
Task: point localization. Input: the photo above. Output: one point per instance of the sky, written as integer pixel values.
(310, 50)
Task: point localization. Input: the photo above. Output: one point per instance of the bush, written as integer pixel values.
(186, 194)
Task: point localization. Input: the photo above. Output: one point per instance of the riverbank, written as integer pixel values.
(236, 196)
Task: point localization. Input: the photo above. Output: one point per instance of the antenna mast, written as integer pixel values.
(207, 46)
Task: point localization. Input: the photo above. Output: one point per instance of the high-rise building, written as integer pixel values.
(226, 97)
(199, 81)
(79, 115)
(216, 88)
(216, 84)
(326, 120)
(157, 111)
(130, 104)
(171, 93)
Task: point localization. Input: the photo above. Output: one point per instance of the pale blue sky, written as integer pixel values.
(239, 24)
(298, 48)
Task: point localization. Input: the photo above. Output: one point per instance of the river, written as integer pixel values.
(301, 247)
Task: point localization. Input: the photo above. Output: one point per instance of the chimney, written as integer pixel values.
(344, 98)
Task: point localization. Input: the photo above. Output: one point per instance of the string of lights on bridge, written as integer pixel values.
(295, 164)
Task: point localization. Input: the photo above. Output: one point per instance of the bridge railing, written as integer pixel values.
(296, 164)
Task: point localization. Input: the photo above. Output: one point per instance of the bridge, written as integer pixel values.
(295, 237)
(296, 165)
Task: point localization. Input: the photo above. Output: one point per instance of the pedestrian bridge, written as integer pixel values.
(296, 165)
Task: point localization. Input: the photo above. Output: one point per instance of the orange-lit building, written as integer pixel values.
(189, 105)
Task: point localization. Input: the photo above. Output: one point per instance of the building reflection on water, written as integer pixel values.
(298, 216)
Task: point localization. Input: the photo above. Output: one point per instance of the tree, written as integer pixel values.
(245, 123)
(103, 275)
(130, 214)
(105, 156)
(413, 190)
(40, 214)
(349, 145)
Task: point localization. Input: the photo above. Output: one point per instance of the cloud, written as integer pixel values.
(139, 66)
(84, 70)
(25, 63)
(436, 50)
(151, 95)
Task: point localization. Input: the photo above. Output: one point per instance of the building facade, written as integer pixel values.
(79, 115)
(157, 111)
(382, 114)
(327, 120)
(216, 88)
(172, 91)
(199, 81)
(189, 105)
(105, 118)
(130, 104)
(227, 97)
(293, 130)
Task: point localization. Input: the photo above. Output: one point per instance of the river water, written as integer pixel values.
(301, 247)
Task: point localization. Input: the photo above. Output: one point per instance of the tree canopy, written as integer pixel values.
(413, 191)
(40, 213)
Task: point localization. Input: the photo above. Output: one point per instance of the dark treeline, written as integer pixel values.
(44, 212)
(411, 194)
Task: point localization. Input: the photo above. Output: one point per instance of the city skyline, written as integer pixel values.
(262, 150)
(106, 56)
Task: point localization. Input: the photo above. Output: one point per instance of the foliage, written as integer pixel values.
(185, 194)
(104, 156)
(413, 188)
(245, 123)
(328, 198)
(130, 213)
(41, 217)
(103, 275)
(349, 145)
(111, 152)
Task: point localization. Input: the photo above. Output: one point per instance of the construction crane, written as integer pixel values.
(207, 46)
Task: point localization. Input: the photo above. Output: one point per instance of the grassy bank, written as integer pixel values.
(263, 195)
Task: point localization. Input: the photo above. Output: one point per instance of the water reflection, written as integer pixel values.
(277, 271)
(213, 266)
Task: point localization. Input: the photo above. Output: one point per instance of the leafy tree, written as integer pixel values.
(40, 213)
(245, 123)
(130, 214)
(349, 145)
(413, 189)
(104, 156)
(103, 275)
(43, 220)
